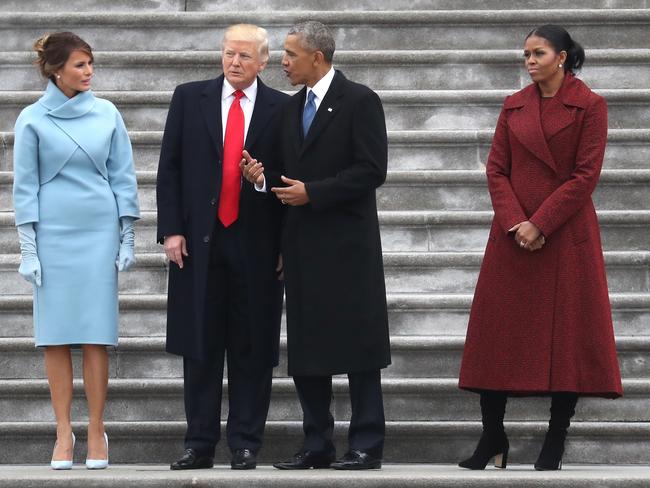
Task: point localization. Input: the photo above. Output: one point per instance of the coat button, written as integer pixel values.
(206, 239)
(213, 202)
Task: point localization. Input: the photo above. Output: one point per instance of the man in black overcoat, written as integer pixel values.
(222, 239)
(334, 156)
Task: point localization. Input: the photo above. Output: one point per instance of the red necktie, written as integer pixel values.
(233, 145)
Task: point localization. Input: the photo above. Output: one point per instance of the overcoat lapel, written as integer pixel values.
(526, 124)
(211, 109)
(261, 115)
(327, 111)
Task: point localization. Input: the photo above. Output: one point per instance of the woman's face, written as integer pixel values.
(76, 73)
(541, 60)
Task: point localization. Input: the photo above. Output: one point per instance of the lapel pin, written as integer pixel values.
(329, 109)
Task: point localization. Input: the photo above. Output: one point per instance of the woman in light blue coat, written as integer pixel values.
(75, 199)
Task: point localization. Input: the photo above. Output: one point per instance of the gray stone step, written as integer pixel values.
(407, 475)
(381, 70)
(410, 150)
(94, 6)
(412, 356)
(409, 314)
(407, 441)
(596, 28)
(406, 272)
(404, 109)
(416, 231)
(307, 5)
(434, 190)
(405, 399)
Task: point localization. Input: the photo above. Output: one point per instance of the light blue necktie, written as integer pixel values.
(308, 113)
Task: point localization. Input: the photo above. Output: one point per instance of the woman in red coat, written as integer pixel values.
(541, 322)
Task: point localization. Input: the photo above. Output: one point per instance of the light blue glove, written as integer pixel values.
(30, 266)
(126, 257)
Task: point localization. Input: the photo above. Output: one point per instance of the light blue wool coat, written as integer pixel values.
(74, 178)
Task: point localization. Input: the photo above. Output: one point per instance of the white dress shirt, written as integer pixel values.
(247, 103)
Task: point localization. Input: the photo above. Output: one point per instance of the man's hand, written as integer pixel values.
(279, 269)
(175, 249)
(294, 195)
(252, 169)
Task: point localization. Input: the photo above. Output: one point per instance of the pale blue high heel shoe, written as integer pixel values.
(99, 463)
(67, 464)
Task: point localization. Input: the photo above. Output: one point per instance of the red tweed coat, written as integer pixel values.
(541, 321)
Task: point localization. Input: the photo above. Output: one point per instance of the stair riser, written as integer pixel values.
(433, 196)
(406, 363)
(408, 76)
(425, 406)
(417, 238)
(414, 156)
(357, 35)
(440, 279)
(152, 322)
(134, 447)
(400, 115)
(303, 5)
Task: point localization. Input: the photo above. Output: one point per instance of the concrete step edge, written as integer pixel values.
(405, 343)
(393, 259)
(429, 217)
(281, 385)
(404, 97)
(117, 429)
(283, 18)
(403, 475)
(407, 137)
(351, 57)
(429, 177)
(396, 301)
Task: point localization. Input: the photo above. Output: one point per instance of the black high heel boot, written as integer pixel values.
(562, 409)
(493, 442)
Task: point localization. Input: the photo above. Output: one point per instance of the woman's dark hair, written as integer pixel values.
(54, 49)
(560, 39)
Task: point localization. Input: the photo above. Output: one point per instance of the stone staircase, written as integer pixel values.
(442, 75)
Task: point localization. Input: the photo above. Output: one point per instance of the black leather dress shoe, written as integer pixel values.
(243, 459)
(354, 459)
(193, 460)
(306, 460)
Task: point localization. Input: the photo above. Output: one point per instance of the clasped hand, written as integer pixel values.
(528, 236)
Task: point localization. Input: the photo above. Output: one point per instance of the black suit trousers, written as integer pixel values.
(249, 388)
(367, 424)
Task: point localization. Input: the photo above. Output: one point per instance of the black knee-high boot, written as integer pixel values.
(563, 407)
(493, 442)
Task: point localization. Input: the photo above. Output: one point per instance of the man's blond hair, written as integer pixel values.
(249, 32)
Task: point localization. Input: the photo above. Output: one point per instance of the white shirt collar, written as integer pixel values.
(321, 87)
(228, 91)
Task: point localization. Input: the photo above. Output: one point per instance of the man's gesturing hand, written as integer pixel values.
(252, 169)
(294, 195)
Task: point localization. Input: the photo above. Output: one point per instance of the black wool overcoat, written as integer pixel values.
(188, 186)
(336, 297)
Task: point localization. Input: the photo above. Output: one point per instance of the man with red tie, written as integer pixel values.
(222, 239)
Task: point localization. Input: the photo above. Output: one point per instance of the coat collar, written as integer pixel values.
(327, 111)
(211, 109)
(525, 121)
(261, 114)
(62, 107)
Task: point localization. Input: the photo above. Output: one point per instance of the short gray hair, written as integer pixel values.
(316, 36)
